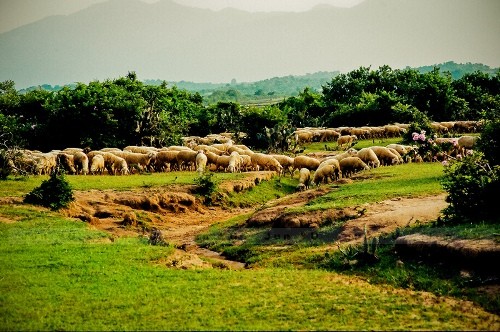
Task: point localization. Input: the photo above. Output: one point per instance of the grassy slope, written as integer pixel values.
(59, 275)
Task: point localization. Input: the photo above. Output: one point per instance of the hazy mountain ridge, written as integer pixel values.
(176, 42)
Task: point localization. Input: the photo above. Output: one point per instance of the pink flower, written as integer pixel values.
(422, 137)
(414, 136)
(445, 162)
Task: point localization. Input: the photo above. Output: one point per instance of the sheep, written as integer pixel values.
(393, 131)
(97, 164)
(135, 159)
(400, 159)
(303, 136)
(346, 140)
(72, 151)
(45, 163)
(327, 135)
(351, 165)
(466, 143)
(326, 173)
(329, 161)
(210, 148)
(222, 162)
(81, 162)
(266, 162)
(385, 156)
(246, 162)
(304, 179)
(66, 162)
(120, 166)
(285, 161)
(140, 149)
(165, 160)
(234, 162)
(211, 159)
(186, 159)
(360, 133)
(201, 161)
(369, 157)
(110, 149)
(310, 163)
(349, 153)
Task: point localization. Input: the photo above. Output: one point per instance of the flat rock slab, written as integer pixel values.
(482, 255)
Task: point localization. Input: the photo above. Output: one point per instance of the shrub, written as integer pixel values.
(489, 142)
(206, 186)
(472, 186)
(54, 193)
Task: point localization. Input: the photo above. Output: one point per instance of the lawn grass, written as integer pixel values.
(58, 274)
(22, 185)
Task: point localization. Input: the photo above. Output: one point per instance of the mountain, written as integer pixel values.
(172, 42)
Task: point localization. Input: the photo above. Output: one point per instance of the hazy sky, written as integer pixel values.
(265, 5)
(15, 13)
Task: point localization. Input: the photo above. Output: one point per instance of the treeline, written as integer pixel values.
(126, 111)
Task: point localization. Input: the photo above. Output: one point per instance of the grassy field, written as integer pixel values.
(60, 274)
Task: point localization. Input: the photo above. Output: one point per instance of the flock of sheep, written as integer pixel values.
(219, 153)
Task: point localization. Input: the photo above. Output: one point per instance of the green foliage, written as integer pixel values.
(489, 142)
(206, 186)
(473, 186)
(54, 193)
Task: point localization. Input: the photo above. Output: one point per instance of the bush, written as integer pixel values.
(472, 186)
(54, 193)
(206, 186)
(489, 142)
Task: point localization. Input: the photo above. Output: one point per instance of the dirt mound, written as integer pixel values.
(277, 210)
(476, 254)
(250, 181)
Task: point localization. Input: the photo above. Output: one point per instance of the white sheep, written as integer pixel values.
(234, 162)
(81, 162)
(266, 162)
(369, 157)
(304, 179)
(385, 156)
(201, 161)
(97, 164)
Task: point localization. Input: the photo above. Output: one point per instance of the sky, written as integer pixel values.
(15, 13)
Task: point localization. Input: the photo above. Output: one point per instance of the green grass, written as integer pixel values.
(22, 186)
(57, 274)
(406, 180)
(263, 192)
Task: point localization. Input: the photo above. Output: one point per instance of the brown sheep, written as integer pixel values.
(351, 165)
(346, 140)
(305, 162)
(325, 174)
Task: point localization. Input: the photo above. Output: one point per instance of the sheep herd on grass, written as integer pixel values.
(218, 153)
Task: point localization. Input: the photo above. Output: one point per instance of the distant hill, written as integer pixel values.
(458, 70)
(277, 88)
(176, 42)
